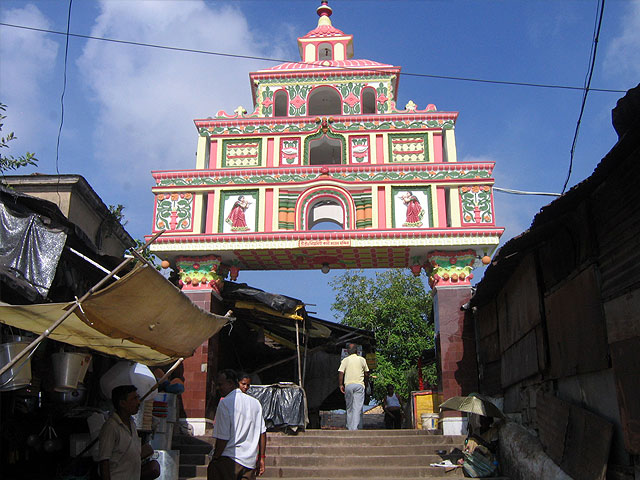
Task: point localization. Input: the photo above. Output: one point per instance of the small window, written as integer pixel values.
(368, 100)
(280, 104)
(325, 101)
(325, 51)
(326, 214)
(325, 151)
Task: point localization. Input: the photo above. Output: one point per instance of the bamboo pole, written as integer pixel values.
(58, 322)
(163, 378)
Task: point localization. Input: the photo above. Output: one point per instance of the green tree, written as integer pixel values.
(395, 306)
(9, 162)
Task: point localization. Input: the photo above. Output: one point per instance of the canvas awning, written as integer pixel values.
(142, 317)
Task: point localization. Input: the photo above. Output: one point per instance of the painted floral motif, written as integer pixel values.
(290, 151)
(382, 97)
(359, 149)
(267, 102)
(450, 267)
(174, 211)
(476, 204)
(298, 94)
(201, 273)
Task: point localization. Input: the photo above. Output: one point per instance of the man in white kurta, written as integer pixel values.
(240, 433)
(353, 376)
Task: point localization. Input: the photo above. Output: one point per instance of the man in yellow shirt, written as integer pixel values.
(353, 376)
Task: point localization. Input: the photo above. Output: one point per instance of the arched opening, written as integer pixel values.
(325, 101)
(368, 100)
(325, 51)
(325, 151)
(280, 104)
(325, 214)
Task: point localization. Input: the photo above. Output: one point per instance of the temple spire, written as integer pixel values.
(324, 11)
(325, 43)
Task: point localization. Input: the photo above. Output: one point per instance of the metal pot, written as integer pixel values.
(70, 397)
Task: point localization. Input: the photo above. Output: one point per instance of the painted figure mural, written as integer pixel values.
(415, 212)
(236, 217)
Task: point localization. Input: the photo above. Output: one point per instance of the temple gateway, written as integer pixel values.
(325, 171)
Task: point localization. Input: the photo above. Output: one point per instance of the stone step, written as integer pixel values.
(371, 441)
(408, 449)
(394, 472)
(324, 461)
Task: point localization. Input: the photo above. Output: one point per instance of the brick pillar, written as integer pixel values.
(455, 341)
(196, 368)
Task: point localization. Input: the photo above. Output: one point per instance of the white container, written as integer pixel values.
(430, 421)
(19, 375)
(454, 425)
(128, 373)
(169, 461)
(69, 369)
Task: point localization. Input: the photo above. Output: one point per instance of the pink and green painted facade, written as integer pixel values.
(326, 169)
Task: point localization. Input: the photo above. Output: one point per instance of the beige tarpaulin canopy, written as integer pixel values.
(141, 317)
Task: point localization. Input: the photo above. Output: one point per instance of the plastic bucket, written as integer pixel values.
(68, 369)
(20, 375)
(429, 421)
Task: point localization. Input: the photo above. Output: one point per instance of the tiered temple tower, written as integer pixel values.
(326, 172)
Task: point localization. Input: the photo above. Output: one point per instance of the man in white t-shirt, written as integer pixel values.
(240, 433)
(353, 376)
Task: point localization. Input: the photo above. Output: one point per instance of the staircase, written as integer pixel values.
(338, 454)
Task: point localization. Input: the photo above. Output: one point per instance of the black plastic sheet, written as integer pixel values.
(283, 405)
(241, 291)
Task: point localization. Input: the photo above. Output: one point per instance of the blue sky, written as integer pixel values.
(130, 109)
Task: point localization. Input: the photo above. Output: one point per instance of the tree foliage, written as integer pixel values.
(9, 162)
(396, 307)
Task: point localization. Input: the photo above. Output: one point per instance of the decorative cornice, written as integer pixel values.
(432, 172)
(385, 237)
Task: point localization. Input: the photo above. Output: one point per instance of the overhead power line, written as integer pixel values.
(279, 60)
(523, 192)
(587, 84)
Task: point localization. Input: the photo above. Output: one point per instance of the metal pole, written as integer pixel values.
(298, 351)
(306, 349)
(58, 322)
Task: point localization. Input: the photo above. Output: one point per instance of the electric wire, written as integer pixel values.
(277, 60)
(64, 87)
(523, 192)
(592, 62)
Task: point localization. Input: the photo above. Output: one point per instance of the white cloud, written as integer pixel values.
(28, 58)
(622, 59)
(147, 98)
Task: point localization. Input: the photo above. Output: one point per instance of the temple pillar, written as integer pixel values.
(200, 280)
(196, 370)
(455, 331)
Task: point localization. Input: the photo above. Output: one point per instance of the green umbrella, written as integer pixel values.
(474, 403)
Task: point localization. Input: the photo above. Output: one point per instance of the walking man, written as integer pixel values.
(353, 377)
(240, 433)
